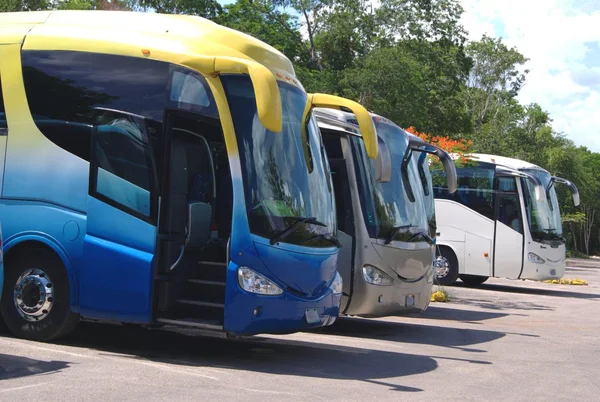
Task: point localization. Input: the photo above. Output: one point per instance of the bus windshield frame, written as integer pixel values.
(287, 187)
(543, 216)
(387, 208)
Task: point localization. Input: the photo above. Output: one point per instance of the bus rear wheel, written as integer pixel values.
(445, 267)
(473, 280)
(36, 297)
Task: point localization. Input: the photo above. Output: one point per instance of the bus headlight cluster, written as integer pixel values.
(254, 282)
(375, 276)
(536, 259)
(337, 284)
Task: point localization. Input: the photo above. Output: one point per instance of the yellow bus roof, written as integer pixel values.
(167, 37)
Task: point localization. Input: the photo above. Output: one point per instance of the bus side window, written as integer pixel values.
(65, 87)
(122, 170)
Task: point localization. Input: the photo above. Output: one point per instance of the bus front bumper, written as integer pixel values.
(542, 272)
(398, 299)
(250, 314)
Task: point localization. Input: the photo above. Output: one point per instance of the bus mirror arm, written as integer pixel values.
(540, 192)
(452, 180)
(266, 90)
(383, 162)
(572, 187)
(365, 122)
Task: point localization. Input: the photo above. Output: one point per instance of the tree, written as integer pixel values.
(494, 80)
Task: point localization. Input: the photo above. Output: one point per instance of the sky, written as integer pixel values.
(561, 39)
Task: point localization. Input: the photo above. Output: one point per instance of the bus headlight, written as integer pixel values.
(337, 284)
(254, 282)
(375, 276)
(536, 259)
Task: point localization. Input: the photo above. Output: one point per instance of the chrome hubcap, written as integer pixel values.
(441, 266)
(34, 295)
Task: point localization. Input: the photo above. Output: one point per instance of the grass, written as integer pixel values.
(564, 281)
(440, 295)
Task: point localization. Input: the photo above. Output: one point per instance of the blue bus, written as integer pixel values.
(155, 178)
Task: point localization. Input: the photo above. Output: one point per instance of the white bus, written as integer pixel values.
(503, 221)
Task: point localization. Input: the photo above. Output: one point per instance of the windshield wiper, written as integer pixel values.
(395, 231)
(424, 234)
(326, 236)
(289, 230)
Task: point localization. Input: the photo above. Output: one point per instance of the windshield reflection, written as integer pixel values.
(281, 184)
(543, 215)
(386, 206)
(426, 179)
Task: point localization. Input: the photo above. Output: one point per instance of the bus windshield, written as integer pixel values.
(543, 215)
(283, 186)
(387, 210)
(427, 188)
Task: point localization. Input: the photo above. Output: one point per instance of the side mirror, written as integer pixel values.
(571, 186)
(383, 162)
(419, 145)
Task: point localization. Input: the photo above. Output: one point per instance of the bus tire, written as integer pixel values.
(36, 297)
(473, 280)
(451, 274)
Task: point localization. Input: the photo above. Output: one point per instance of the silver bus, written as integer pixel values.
(385, 214)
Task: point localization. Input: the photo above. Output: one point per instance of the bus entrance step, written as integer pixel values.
(201, 303)
(208, 325)
(211, 271)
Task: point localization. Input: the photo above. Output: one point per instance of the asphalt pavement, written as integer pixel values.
(508, 340)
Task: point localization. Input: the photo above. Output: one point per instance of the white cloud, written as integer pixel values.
(562, 40)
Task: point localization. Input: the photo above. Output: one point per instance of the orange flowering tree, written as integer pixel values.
(458, 147)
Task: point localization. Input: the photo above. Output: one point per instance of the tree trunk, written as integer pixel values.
(311, 39)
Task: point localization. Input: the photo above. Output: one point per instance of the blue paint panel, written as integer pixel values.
(307, 270)
(108, 222)
(116, 282)
(278, 314)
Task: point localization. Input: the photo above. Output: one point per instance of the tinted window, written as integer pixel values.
(125, 173)
(506, 184)
(64, 88)
(190, 91)
(475, 187)
(509, 211)
(2, 110)
(333, 144)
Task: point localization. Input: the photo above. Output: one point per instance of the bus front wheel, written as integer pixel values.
(473, 280)
(36, 297)
(445, 267)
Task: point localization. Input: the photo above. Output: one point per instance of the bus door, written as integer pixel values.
(508, 233)
(116, 276)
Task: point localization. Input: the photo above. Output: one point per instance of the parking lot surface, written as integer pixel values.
(507, 340)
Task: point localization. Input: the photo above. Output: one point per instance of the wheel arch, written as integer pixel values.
(19, 244)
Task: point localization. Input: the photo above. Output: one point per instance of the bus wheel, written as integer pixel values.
(36, 297)
(473, 280)
(445, 267)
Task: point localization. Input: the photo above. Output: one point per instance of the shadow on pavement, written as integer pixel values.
(499, 305)
(411, 333)
(453, 314)
(531, 291)
(16, 366)
(278, 356)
